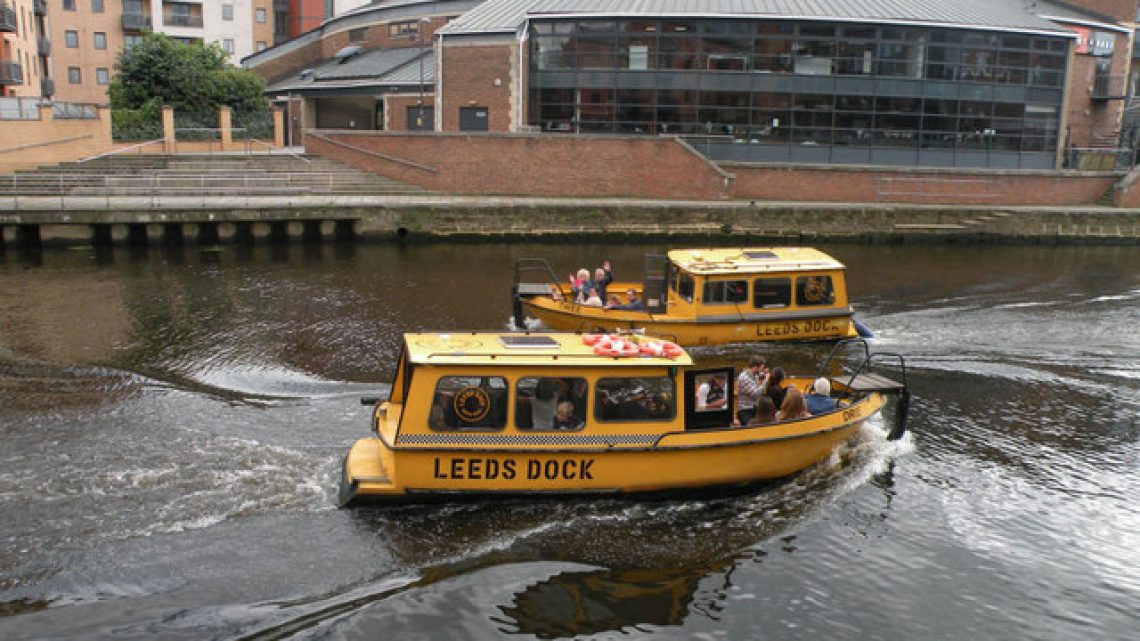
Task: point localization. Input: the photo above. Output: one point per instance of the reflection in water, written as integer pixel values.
(575, 603)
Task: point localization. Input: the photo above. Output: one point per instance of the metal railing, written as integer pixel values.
(182, 21)
(1099, 158)
(73, 111)
(11, 73)
(137, 148)
(7, 18)
(19, 108)
(136, 22)
(1106, 87)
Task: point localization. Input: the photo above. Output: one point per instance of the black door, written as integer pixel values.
(656, 276)
(720, 403)
(421, 118)
(473, 118)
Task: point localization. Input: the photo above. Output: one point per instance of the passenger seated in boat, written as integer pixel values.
(632, 303)
(765, 412)
(592, 298)
(793, 406)
(564, 418)
(776, 389)
(819, 401)
(710, 394)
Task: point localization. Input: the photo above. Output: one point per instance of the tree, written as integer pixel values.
(159, 70)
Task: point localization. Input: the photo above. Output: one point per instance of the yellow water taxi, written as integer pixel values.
(705, 296)
(493, 415)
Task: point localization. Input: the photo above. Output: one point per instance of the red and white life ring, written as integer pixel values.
(593, 339)
(667, 349)
(618, 347)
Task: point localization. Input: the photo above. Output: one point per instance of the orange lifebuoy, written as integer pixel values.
(592, 339)
(616, 347)
(667, 349)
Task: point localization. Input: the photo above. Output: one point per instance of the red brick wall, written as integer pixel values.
(662, 168)
(592, 166)
(469, 75)
(1122, 10)
(1094, 122)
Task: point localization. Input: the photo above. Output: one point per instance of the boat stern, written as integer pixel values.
(364, 476)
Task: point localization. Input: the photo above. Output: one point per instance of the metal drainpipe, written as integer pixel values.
(519, 83)
(437, 91)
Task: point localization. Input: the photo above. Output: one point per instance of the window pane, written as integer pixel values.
(771, 292)
(548, 403)
(725, 292)
(635, 399)
(814, 290)
(469, 402)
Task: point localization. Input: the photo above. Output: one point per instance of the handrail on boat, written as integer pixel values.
(526, 265)
(872, 382)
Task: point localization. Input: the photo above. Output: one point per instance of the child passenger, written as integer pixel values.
(564, 418)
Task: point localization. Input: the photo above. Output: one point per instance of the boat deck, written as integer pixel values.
(867, 382)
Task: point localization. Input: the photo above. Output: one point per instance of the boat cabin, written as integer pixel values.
(504, 387)
(712, 283)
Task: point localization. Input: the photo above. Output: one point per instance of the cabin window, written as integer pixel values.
(640, 398)
(768, 293)
(711, 393)
(723, 292)
(469, 402)
(684, 286)
(550, 403)
(814, 290)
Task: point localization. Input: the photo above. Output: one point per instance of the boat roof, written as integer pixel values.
(509, 349)
(734, 260)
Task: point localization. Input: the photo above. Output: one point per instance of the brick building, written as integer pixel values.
(975, 83)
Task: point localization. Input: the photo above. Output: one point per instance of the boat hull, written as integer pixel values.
(694, 461)
(565, 315)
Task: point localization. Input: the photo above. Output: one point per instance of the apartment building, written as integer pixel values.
(86, 36)
(24, 52)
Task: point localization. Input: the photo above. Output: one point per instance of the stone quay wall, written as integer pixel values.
(125, 221)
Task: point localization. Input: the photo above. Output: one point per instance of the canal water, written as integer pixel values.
(172, 422)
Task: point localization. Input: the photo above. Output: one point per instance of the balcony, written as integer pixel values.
(43, 45)
(1106, 87)
(47, 87)
(182, 21)
(136, 22)
(39, 7)
(11, 73)
(7, 18)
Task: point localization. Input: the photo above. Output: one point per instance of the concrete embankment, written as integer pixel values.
(62, 220)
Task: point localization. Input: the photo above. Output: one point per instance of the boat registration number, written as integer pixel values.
(811, 327)
(508, 469)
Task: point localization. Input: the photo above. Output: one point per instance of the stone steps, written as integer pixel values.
(199, 175)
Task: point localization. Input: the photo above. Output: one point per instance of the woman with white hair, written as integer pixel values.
(819, 400)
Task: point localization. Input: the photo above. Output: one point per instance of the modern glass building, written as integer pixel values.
(897, 90)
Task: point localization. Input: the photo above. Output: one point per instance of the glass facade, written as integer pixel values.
(788, 91)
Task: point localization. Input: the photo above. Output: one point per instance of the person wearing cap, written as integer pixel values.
(819, 400)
